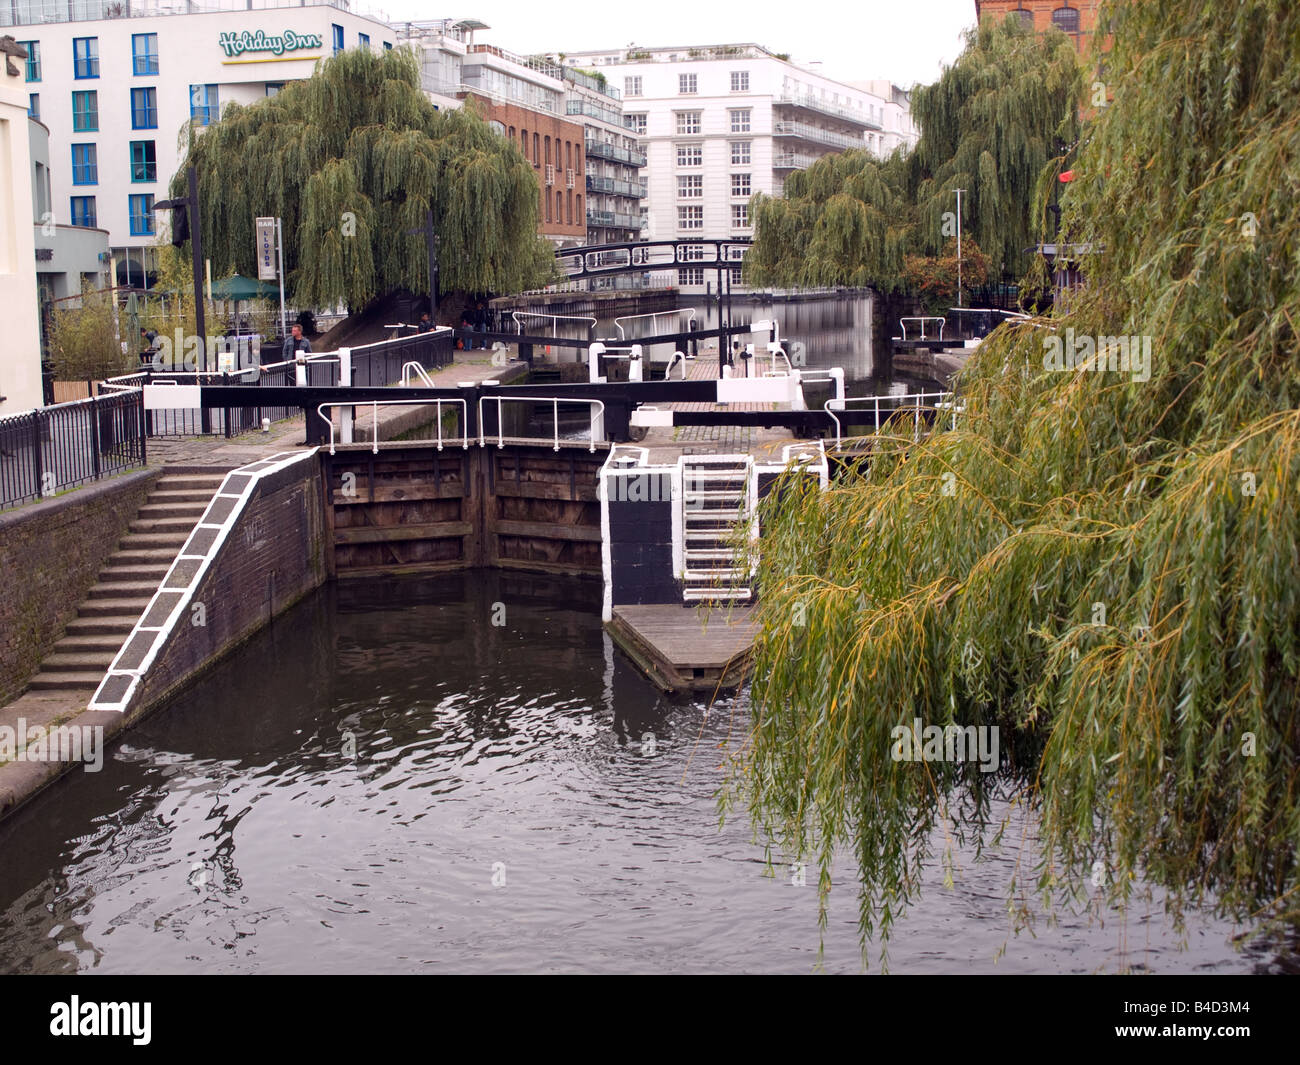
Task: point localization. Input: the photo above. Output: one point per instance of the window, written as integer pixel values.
(688, 122)
(273, 87)
(690, 155)
(144, 108)
(85, 112)
(83, 210)
(144, 163)
(636, 123)
(388, 46)
(632, 86)
(144, 53)
(34, 105)
(338, 37)
(693, 275)
(1066, 18)
(740, 120)
(141, 209)
(85, 165)
(690, 186)
(363, 39)
(204, 106)
(687, 83)
(740, 153)
(690, 253)
(33, 50)
(740, 216)
(741, 185)
(1026, 18)
(537, 153)
(85, 57)
(740, 81)
(690, 218)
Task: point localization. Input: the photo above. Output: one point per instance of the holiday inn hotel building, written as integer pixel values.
(118, 82)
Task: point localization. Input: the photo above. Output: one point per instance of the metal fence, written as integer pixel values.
(373, 365)
(53, 448)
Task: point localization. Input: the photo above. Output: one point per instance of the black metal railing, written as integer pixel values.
(374, 365)
(50, 449)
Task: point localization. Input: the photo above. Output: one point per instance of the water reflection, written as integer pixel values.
(386, 781)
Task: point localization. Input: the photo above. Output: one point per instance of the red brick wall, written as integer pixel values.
(1042, 12)
(562, 211)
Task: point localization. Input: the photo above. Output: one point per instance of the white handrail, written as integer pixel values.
(927, 318)
(406, 375)
(555, 401)
(519, 327)
(893, 404)
(690, 312)
(678, 359)
(375, 404)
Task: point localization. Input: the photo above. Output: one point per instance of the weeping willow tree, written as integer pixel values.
(990, 125)
(1100, 563)
(352, 159)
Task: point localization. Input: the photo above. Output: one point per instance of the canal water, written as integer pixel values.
(460, 773)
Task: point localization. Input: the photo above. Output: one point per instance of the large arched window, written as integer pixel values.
(1026, 17)
(1066, 18)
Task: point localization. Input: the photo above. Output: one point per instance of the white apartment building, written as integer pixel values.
(720, 123)
(119, 82)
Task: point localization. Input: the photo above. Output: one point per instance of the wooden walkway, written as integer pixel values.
(687, 648)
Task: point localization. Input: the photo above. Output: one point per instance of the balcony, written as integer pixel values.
(590, 110)
(614, 187)
(600, 85)
(614, 153)
(818, 136)
(793, 161)
(613, 219)
(846, 114)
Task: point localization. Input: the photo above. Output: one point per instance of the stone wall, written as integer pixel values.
(51, 553)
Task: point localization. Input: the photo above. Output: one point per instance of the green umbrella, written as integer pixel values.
(243, 288)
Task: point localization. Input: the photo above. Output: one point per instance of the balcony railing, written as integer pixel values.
(811, 133)
(601, 114)
(613, 218)
(812, 103)
(793, 161)
(539, 64)
(613, 152)
(614, 187)
(578, 77)
(36, 12)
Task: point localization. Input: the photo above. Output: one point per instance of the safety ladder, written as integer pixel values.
(715, 499)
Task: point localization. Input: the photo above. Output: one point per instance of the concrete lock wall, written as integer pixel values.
(51, 553)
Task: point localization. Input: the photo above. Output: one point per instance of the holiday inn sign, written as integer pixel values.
(236, 44)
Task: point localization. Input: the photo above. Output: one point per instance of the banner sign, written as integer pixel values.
(266, 249)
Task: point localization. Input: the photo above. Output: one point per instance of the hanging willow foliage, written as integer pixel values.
(353, 158)
(990, 125)
(1101, 564)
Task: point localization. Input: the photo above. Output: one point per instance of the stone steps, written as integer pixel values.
(127, 582)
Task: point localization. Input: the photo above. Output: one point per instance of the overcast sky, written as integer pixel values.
(906, 41)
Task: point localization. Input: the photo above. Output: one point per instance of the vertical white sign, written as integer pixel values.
(266, 249)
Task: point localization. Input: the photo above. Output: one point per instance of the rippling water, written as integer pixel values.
(502, 812)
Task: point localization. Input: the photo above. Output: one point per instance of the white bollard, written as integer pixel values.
(345, 381)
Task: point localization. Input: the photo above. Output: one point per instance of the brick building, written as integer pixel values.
(555, 148)
(524, 99)
(1075, 17)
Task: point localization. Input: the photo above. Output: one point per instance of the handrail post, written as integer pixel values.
(555, 422)
(94, 436)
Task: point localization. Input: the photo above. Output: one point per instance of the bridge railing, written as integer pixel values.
(374, 406)
(596, 407)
